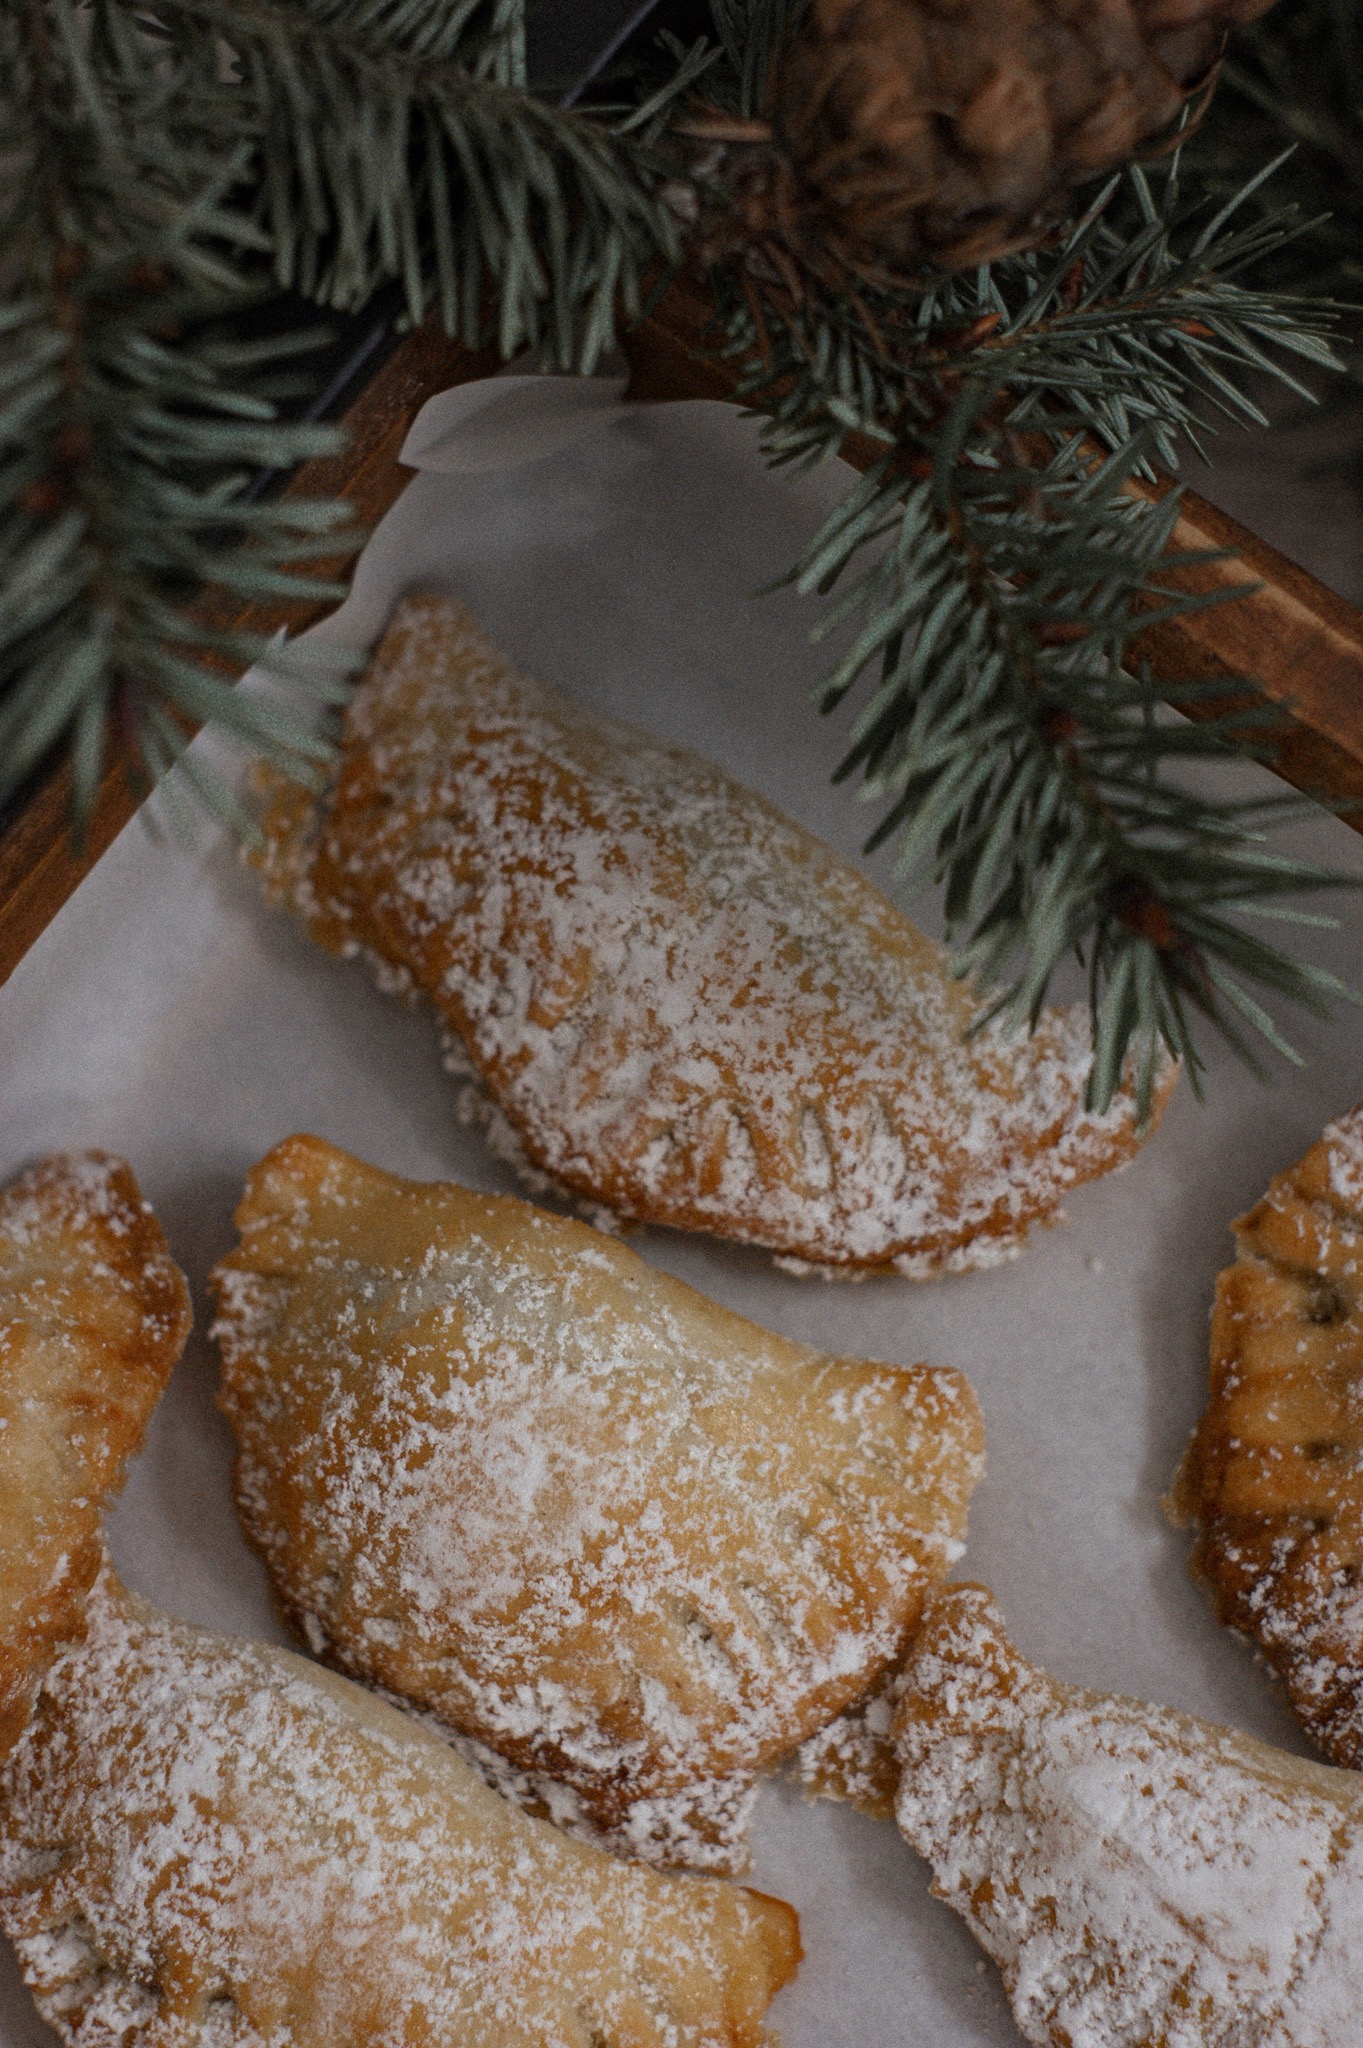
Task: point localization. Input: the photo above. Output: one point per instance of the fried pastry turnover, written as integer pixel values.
(1274, 1474)
(93, 1315)
(616, 1533)
(1142, 1878)
(687, 1008)
(206, 1841)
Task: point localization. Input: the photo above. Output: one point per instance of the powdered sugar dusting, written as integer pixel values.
(614, 1532)
(704, 1827)
(210, 1838)
(1139, 1876)
(75, 1224)
(688, 1008)
(1274, 1474)
(82, 1188)
(854, 1757)
(1344, 1146)
(93, 1314)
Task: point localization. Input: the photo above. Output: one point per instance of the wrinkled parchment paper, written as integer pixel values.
(169, 1016)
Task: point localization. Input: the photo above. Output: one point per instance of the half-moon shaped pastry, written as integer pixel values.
(1274, 1474)
(688, 1008)
(94, 1313)
(1143, 1879)
(210, 1841)
(620, 1535)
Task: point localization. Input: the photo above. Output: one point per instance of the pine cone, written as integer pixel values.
(949, 132)
(953, 130)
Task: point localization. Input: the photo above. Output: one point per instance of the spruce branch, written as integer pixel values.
(161, 163)
(400, 142)
(1294, 81)
(990, 574)
(129, 425)
(752, 35)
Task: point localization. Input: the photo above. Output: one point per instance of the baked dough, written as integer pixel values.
(1142, 1878)
(205, 1841)
(93, 1315)
(500, 1466)
(688, 1008)
(1274, 1473)
(853, 1759)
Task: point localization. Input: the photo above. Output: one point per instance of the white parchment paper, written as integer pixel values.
(167, 1015)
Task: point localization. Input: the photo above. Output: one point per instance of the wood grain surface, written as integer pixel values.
(1301, 643)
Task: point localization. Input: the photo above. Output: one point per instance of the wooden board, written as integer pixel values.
(1302, 643)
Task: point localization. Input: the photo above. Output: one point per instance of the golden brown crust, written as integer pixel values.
(93, 1315)
(1274, 1473)
(617, 1533)
(689, 1009)
(212, 1843)
(1143, 1878)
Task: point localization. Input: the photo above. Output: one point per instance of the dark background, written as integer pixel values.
(570, 40)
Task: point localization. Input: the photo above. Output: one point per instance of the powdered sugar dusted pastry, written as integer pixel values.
(1274, 1474)
(209, 1841)
(1143, 1879)
(854, 1758)
(93, 1315)
(689, 1009)
(500, 1466)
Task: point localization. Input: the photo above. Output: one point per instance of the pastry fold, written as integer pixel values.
(1143, 1879)
(1274, 1474)
(688, 1008)
(618, 1534)
(93, 1315)
(206, 1841)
